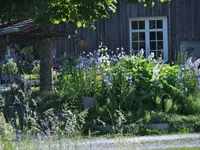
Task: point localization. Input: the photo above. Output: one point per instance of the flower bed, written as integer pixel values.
(127, 87)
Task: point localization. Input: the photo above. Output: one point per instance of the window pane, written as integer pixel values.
(153, 45)
(141, 25)
(135, 36)
(142, 45)
(135, 45)
(152, 36)
(134, 24)
(159, 35)
(159, 24)
(142, 36)
(160, 45)
(152, 24)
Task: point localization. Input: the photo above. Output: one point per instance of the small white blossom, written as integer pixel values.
(141, 53)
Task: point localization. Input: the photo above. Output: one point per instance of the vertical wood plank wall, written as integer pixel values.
(183, 24)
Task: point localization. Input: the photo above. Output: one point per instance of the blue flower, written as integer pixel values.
(109, 84)
(80, 66)
(107, 80)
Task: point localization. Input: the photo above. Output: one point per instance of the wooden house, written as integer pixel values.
(163, 29)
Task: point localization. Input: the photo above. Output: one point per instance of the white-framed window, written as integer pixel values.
(150, 34)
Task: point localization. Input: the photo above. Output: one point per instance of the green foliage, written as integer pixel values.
(68, 124)
(7, 132)
(45, 115)
(178, 123)
(148, 2)
(46, 12)
(10, 68)
(131, 83)
(26, 50)
(36, 71)
(191, 104)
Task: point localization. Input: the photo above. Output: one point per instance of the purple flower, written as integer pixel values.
(120, 56)
(109, 84)
(81, 58)
(80, 66)
(189, 64)
(107, 80)
(114, 59)
(97, 59)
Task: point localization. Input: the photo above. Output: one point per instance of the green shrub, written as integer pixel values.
(10, 68)
(36, 71)
(192, 104)
(7, 133)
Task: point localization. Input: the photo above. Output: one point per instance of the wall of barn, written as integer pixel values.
(183, 25)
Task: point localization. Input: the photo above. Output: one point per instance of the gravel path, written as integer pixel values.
(123, 143)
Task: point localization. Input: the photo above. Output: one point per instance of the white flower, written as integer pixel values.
(197, 62)
(151, 56)
(154, 60)
(104, 57)
(141, 53)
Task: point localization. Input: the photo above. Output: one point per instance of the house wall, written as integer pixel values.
(183, 24)
(2, 46)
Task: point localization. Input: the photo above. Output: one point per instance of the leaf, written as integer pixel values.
(158, 100)
(79, 24)
(56, 21)
(168, 104)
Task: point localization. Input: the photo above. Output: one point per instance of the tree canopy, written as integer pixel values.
(47, 12)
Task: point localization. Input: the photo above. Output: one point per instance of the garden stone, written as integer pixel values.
(88, 102)
(160, 126)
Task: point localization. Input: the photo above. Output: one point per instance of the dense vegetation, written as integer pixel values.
(127, 89)
(47, 12)
(130, 93)
(130, 86)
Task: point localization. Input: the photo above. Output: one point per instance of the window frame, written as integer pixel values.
(147, 31)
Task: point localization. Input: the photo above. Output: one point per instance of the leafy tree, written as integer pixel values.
(47, 12)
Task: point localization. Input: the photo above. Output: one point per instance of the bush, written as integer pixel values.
(36, 71)
(131, 83)
(10, 68)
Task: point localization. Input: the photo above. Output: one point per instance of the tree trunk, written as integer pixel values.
(45, 65)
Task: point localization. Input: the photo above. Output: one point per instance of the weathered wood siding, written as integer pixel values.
(183, 24)
(2, 46)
